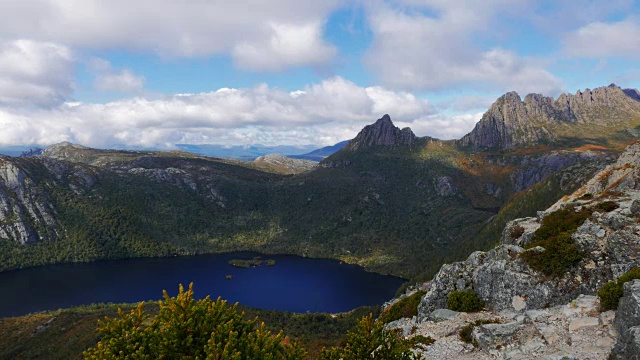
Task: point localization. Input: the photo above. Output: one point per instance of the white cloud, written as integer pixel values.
(110, 79)
(323, 114)
(288, 45)
(35, 73)
(264, 35)
(443, 127)
(604, 40)
(414, 50)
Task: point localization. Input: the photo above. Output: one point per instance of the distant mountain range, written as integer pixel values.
(322, 153)
(387, 200)
(242, 153)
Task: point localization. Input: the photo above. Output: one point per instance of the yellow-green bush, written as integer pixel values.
(190, 329)
(405, 308)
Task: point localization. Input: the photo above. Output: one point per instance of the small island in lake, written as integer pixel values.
(248, 263)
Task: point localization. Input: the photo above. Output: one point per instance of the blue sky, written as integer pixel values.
(156, 73)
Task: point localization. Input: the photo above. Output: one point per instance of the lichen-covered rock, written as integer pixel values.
(438, 315)
(627, 323)
(567, 331)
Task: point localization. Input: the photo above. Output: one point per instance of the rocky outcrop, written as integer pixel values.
(381, 133)
(627, 324)
(621, 176)
(63, 151)
(512, 122)
(283, 164)
(574, 330)
(609, 238)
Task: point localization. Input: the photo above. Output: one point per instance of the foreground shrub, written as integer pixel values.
(372, 341)
(611, 292)
(464, 301)
(405, 308)
(189, 329)
(610, 295)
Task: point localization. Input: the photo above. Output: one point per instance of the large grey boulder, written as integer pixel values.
(443, 315)
(627, 324)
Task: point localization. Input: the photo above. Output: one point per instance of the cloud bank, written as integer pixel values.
(324, 113)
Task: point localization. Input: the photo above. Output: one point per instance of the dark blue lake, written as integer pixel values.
(294, 284)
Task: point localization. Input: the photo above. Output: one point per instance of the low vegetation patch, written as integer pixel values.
(605, 206)
(421, 341)
(405, 308)
(565, 220)
(465, 333)
(464, 301)
(611, 292)
(516, 232)
(560, 254)
(554, 235)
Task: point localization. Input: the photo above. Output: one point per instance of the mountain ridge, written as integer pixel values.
(513, 122)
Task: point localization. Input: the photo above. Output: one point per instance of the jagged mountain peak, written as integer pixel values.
(381, 133)
(512, 122)
(385, 120)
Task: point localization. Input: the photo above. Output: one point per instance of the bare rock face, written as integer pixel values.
(627, 324)
(22, 207)
(512, 122)
(381, 133)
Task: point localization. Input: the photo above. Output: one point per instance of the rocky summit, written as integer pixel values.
(381, 133)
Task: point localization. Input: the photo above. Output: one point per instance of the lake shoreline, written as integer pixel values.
(210, 272)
